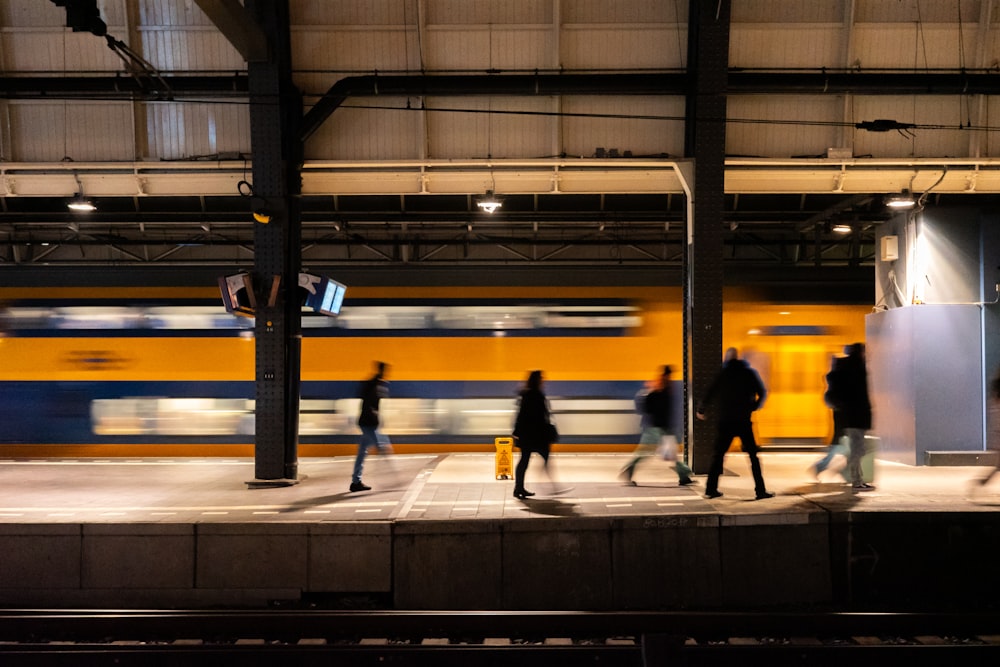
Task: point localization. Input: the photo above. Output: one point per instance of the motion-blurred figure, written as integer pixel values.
(534, 431)
(834, 398)
(655, 402)
(993, 425)
(740, 392)
(372, 391)
(857, 413)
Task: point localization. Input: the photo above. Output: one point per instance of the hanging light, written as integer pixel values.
(902, 200)
(489, 203)
(81, 204)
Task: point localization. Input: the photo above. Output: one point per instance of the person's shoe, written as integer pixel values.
(359, 486)
(713, 494)
(626, 477)
(765, 495)
(858, 488)
(521, 494)
(814, 471)
(686, 481)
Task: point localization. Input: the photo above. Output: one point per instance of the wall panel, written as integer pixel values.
(368, 134)
(182, 131)
(947, 111)
(662, 135)
(356, 51)
(790, 45)
(635, 47)
(80, 131)
(786, 138)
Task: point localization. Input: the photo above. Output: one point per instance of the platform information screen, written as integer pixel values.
(328, 297)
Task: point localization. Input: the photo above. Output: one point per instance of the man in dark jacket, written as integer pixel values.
(371, 393)
(740, 391)
(856, 413)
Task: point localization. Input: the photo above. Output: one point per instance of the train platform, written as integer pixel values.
(453, 486)
(442, 532)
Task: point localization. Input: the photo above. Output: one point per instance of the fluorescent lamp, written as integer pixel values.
(489, 203)
(904, 200)
(80, 203)
(841, 229)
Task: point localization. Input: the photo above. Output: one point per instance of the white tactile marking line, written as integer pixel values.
(199, 509)
(610, 502)
(413, 492)
(124, 462)
(409, 503)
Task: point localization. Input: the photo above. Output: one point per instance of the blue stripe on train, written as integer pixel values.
(59, 412)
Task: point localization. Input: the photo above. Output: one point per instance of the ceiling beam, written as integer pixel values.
(239, 27)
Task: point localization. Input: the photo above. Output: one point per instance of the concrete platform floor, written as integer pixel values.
(454, 486)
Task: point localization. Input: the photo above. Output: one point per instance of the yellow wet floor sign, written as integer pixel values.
(504, 457)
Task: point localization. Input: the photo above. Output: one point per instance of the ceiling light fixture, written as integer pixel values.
(489, 203)
(80, 203)
(841, 228)
(902, 200)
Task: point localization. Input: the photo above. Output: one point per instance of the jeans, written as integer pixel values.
(370, 437)
(648, 442)
(856, 441)
(832, 451)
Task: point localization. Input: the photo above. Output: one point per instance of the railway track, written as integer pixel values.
(525, 639)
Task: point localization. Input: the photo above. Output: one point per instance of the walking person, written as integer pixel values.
(993, 426)
(533, 430)
(655, 402)
(857, 413)
(834, 399)
(372, 391)
(740, 392)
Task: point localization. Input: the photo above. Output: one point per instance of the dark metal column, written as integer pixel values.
(275, 118)
(705, 140)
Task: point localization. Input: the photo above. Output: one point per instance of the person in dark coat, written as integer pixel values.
(533, 430)
(740, 392)
(993, 426)
(834, 399)
(371, 392)
(856, 413)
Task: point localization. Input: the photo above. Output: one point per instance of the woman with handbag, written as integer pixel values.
(534, 431)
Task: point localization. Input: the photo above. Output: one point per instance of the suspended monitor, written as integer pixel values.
(237, 294)
(323, 295)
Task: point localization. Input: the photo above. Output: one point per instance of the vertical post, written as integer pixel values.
(705, 140)
(275, 117)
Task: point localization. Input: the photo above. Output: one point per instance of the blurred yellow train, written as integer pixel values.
(165, 372)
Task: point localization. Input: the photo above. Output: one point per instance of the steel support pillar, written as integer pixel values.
(275, 119)
(705, 141)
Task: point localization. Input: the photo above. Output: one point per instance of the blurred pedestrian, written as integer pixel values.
(834, 399)
(857, 413)
(371, 392)
(655, 402)
(740, 392)
(993, 425)
(534, 431)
